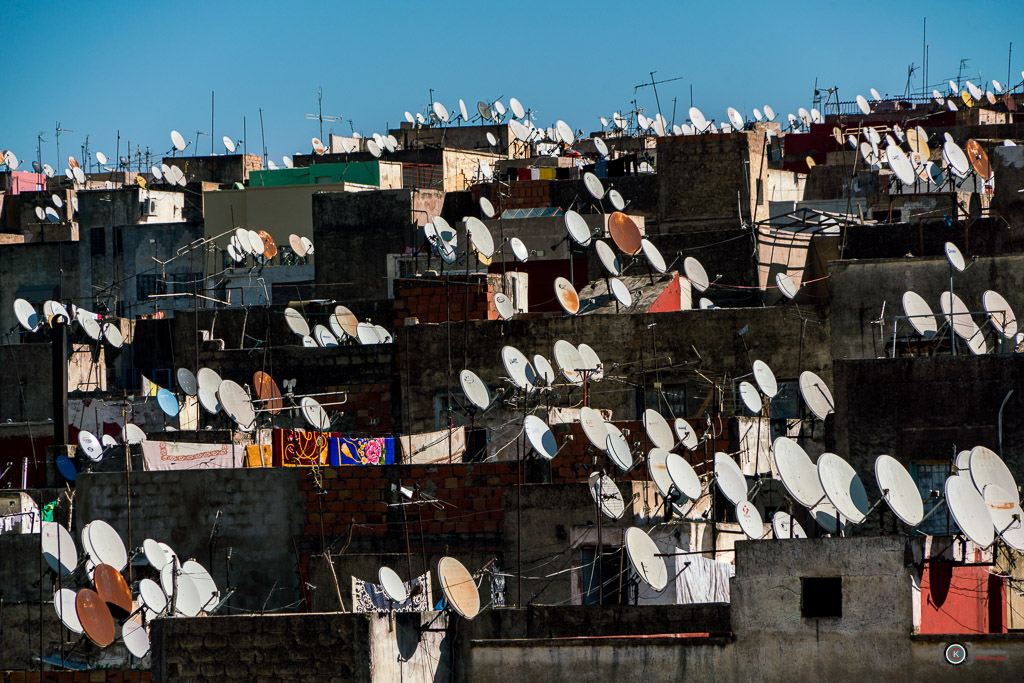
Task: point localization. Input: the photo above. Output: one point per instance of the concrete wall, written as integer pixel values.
(860, 287)
(60, 264)
(260, 515)
(222, 169)
(353, 233)
(927, 409)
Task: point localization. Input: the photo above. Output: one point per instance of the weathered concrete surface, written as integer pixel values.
(860, 287)
(262, 510)
(292, 647)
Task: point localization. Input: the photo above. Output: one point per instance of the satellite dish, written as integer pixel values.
(786, 285)
(955, 159)
(974, 90)
(958, 316)
(607, 495)
(323, 337)
(475, 389)
(900, 164)
(805, 117)
(64, 605)
(784, 526)
(625, 233)
(460, 591)
(314, 414)
(621, 292)
(519, 249)
(1006, 514)
(569, 361)
(347, 321)
(567, 296)
(503, 305)
(643, 557)
(90, 445)
(919, 314)
(751, 399)
(765, 379)
(658, 430)
(373, 148)
(735, 118)
(178, 141)
(479, 236)
(187, 382)
(594, 427)
(899, 490)
(617, 202)
(1000, 314)
(657, 468)
(541, 437)
(544, 370)
(988, 468)
(208, 400)
(577, 227)
(601, 146)
(654, 256)
(229, 144)
(58, 548)
(700, 124)
(684, 432)
(167, 402)
(730, 479)
(26, 315)
(875, 95)
(565, 133)
(816, 394)
(978, 159)
(799, 475)
(607, 257)
(486, 207)
(843, 487)
(95, 617)
(696, 274)
(135, 638)
(103, 545)
(237, 405)
(749, 520)
(392, 584)
(591, 362)
(682, 475)
(491, 140)
(593, 185)
(969, 511)
(296, 323)
(617, 449)
(113, 590)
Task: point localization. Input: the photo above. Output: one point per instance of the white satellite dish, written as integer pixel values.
(392, 584)
(784, 526)
(475, 389)
(798, 473)
(519, 249)
(696, 274)
(607, 257)
(1000, 314)
(617, 449)
(607, 495)
(684, 432)
(899, 490)
(765, 379)
(919, 314)
(682, 476)
(594, 427)
(593, 185)
(1006, 514)
(988, 468)
(541, 437)
(816, 394)
(577, 228)
(969, 511)
(229, 144)
(654, 256)
(621, 292)
(749, 520)
(643, 557)
(700, 124)
(178, 141)
(729, 478)
(751, 398)
(479, 236)
(658, 430)
(843, 487)
(955, 257)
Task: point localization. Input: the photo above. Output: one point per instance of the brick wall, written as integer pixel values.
(526, 194)
(102, 676)
(442, 299)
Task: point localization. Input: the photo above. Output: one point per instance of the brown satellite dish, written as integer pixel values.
(979, 160)
(1011, 104)
(113, 590)
(624, 232)
(97, 621)
(459, 587)
(567, 296)
(72, 162)
(269, 246)
(837, 133)
(348, 321)
(267, 391)
(811, 163)
(917, 143)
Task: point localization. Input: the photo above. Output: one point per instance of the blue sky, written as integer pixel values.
(146, 68)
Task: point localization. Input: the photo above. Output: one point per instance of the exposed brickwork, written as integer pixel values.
(526, 194)
(99, 676)
(437, 300)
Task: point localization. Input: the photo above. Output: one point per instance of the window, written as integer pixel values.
(146, 285)
(98, 241)
(609, 575)
(179, 283)
(821, 597)
(931, 476)
(669, 400)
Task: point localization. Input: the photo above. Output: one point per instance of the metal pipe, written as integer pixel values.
(1000, 420)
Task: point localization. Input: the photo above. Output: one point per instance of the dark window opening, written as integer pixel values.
(592, 579)
(98, 240)
(670, 401)
(821, 597)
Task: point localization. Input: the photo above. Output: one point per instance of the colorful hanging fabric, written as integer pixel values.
(299, 449)
(347, 451)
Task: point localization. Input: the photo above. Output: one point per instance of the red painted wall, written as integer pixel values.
(958, 599)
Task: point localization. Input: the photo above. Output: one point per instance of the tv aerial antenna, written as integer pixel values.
(320, 115)
(654, 84)
(57, 131)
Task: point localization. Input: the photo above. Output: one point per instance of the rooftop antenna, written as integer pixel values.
(39, 147)
(910, 75)
(320, 115)
(959, 71)
(58, 130)
(654, 84)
